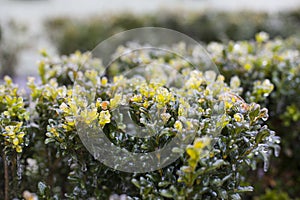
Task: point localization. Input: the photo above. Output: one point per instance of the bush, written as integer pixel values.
(57, 165)
(14, 136)
(263, 65)
(70, 35)
(276, 60)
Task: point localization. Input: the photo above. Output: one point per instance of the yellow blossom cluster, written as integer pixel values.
(13, 116)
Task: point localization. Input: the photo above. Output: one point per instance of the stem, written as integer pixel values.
(6, 181)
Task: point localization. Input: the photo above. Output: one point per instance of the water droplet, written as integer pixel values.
(233, 167)
(83, 167)
(76, 190)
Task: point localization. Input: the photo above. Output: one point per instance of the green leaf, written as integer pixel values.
(163, 184)
(49, 140)
(136, 183)
(254, 112)
(235, 197)
(166, 193)
(245, 189)
(262, 135)
(218, 163)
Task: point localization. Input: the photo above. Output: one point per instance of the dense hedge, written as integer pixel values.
(254, 62)
(279, 61)
(70, 35)
(49, 155)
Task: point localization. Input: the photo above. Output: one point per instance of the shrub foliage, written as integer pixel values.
(55, 164)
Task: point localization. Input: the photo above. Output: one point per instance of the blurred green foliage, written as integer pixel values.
(274, 195)
(70, 35)
(11, 44)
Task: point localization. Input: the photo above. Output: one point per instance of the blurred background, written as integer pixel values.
(28, 27)
(61, 26)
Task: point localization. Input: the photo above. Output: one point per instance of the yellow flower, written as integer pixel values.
(18, 149)
(54, 131)
(70, 109)
(98, 102)
(7, 80)
(163, 96)
(21, 135)
(165, 117)
(69, 124)
(235, 82)
(238, 117)
(195, 151)
(147, 91)
(114, 102)
(62, 91)
(193, 83)
(192, 153)
(195, 80)
(248, 66)
(178, 126)
(104, 117)
(262, 37)
(118, 79)
(43, 52)
(9, 131)
(146, 104)
(183, 108)
(64, 107)
(200, 143)
(189, 125)
(15, 141)
(201, 100)
(104, 81)
(137, 98)
(92, 76)
(89, 115)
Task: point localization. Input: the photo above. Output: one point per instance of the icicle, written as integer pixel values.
(266, 161)
(266, 165)
(70, 161)
(83, 167)
(95, 179)
(19, 167)
(276, 150)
